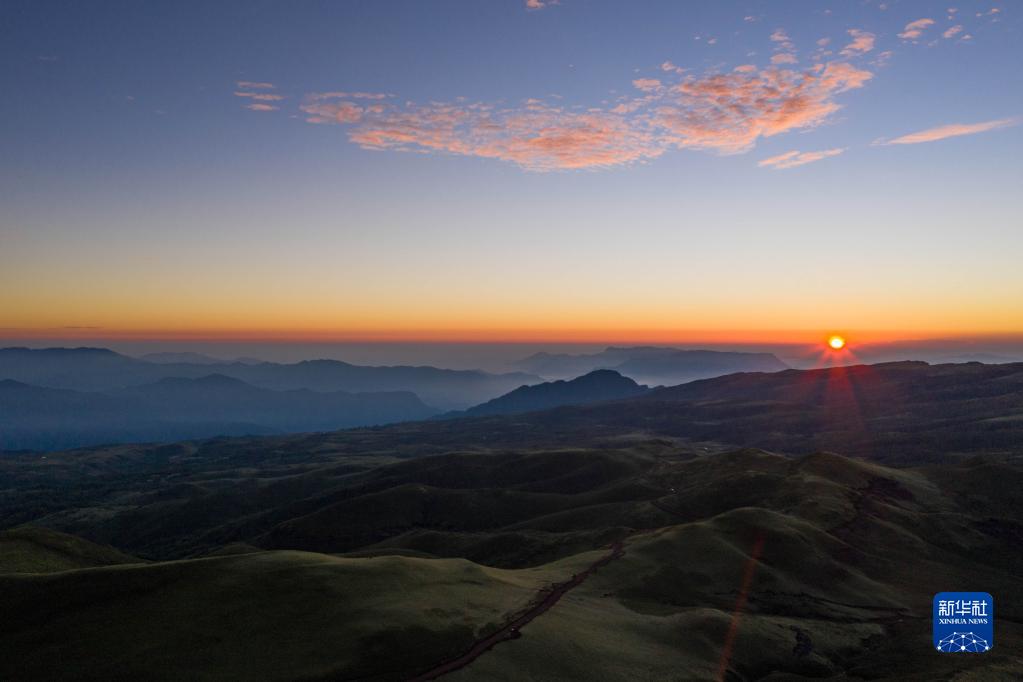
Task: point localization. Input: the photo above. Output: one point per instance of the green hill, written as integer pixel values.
(271, 615)
(40, 550)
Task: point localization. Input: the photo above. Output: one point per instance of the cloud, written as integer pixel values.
(537, 136)
(668, 66)
(255, 85)
(256, 106)
(952, 130)
(261, 96)
(797, 158)
(953, 31)
(536, 4)
(646, 84)
(729, 113)
(780, 36)
(823, 42)
(331, 112)
(346, 95)
(862, 43)
(783, 58)
(725, 113)
(915, 29)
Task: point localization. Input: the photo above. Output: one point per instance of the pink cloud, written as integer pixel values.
(535, 4)
(646, 84)
(256, 106)
(952, 130)
(346, 95)
(255, 85)
(915, 29)
(729, 113)
(862, 43)
(797, 158)
(332, 112)
(538, 137)
(261, 96)
(952, 31)
(726, 113)
(783, 58)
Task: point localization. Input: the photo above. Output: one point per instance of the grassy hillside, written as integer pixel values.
(385, 553)
(40, 550)
(270, 615)
(829, 562)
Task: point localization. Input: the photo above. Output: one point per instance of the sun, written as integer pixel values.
(836, 342)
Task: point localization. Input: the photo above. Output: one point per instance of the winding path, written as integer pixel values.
(511, 629)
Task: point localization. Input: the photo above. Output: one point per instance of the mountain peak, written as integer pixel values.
(596, 386)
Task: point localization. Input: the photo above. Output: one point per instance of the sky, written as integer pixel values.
(511, 171)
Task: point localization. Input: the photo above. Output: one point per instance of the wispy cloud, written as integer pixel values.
(862, 42)
(784, 47)
(260, 96)
(647, 84)
(797, 158)
(951, 130)
(347, 95)
(536, 136)
(255, 91)
(915, 29)
(724, 113)
(952, 31)
(332, 112)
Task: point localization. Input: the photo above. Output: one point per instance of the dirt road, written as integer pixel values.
(548, 598)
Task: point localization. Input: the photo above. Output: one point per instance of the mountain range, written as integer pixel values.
(641, 538)
(597, 386)
(99, 369)
(36, 418)
(651, 364)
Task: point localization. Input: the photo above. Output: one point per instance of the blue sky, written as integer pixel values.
(142, 196)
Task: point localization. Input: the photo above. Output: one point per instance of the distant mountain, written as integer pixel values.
(173, 358)
(99, 369)
(33, 417)
(651, 364)
(597, 386)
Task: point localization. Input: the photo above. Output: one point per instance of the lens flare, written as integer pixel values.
(836, 342)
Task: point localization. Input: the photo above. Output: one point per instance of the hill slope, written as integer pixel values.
(595, 387)
(832, 562)
(31, 549)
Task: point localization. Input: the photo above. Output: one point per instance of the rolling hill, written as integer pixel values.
(597, 386)
(621, 540)
(783, 553)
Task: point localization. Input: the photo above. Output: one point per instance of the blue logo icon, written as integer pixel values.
(964, 622)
